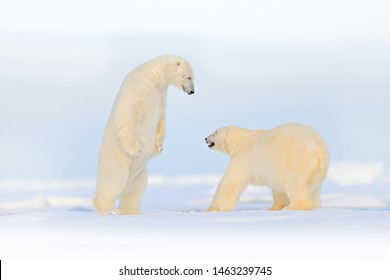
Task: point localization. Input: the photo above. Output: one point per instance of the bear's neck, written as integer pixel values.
(234, 142)
(156, 73)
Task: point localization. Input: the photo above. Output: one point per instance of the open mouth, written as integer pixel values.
(209, 143)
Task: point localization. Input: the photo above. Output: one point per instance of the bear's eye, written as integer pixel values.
(178, 63)
(189, 78)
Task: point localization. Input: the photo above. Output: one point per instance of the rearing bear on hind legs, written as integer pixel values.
(135, 132)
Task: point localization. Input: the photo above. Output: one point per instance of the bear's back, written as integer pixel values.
(291, 145)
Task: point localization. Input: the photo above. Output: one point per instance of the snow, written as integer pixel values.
(54, 219)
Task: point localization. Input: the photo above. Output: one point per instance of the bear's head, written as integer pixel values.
(228, 139)
(182, 75)
(217, 140)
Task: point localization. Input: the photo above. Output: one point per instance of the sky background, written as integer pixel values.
(257, 64)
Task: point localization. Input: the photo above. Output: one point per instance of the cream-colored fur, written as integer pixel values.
(135, 132)
(292, 159)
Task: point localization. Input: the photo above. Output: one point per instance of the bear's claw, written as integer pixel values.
(159, 149)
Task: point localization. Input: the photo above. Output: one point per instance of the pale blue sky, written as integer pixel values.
(257, 64)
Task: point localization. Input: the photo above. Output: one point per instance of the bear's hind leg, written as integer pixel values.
(105, 206)
(132, 195)
(300, 198)
(316, 197)
(298, 189)
(280, 200)
(110, 183)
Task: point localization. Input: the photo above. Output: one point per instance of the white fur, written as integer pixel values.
(135, 132)
(291, 159)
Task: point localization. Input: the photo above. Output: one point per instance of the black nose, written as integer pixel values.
(191, 92)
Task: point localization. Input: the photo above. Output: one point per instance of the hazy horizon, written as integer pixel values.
(257, 64)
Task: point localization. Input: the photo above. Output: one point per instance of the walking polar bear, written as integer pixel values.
(135, 132)
(292, 159)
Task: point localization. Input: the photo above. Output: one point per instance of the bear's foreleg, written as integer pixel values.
(229, 189)
(160, 135)
(127, 127)
(132, 195)
(129, 141)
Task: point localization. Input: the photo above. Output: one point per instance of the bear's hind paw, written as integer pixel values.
(212, 209)
(108, 212)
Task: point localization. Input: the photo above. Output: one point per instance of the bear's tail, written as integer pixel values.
(320, 170)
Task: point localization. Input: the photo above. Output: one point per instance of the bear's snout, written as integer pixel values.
(209, 143)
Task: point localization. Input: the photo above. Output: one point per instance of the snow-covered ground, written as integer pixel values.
(56, 220)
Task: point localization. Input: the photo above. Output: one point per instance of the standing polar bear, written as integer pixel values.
(292, 159)
(135, 132)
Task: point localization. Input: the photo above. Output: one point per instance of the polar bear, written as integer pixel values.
(292, 159)
(135, 132)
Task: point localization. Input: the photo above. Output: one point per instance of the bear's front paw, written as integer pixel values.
(158, 149)
(134, 149)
